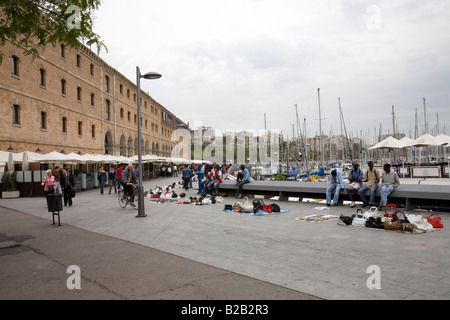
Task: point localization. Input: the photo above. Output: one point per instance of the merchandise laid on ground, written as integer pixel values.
(318, 218)
(392, 220)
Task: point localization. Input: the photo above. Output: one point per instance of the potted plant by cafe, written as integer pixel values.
(9, 186)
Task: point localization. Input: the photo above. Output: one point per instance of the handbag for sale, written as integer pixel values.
(390, 214)
(392, 225)
(359, 221)
(246, 206)
(275, 207)
(237, 207)
(372, 212)
(435, 221)
(219, 199)
(267, 208)
(346, 220)
(258, 205)
(375, 223)
(419, 222)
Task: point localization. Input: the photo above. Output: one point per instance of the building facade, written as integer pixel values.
(72, 101)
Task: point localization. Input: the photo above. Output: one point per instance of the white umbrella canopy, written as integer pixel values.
(425, 140)
(443, 140)
(406, 142)
(51, 157)
(90, 158)
(388, 143)
(74, 158)
(123, 159)
(4, 156)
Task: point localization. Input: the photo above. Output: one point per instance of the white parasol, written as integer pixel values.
(388, 143)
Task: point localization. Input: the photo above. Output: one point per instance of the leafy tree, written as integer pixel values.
(30, 24)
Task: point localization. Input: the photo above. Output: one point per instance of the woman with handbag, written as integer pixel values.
(49, 183)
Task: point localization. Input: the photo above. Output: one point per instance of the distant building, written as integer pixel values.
(72, 100)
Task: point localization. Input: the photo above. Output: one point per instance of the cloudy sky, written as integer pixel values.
(227, 63)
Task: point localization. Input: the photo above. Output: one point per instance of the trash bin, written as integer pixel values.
(54, 203)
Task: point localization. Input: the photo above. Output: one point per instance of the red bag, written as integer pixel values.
(267, 208)
(435, 221)
(391, 215)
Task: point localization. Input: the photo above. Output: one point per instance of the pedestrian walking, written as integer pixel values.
(49, 183)
(112, 179)
(68, 186)
(175, 170)
(101, 177)
(56, 173)
(187, 175)
(119, 176)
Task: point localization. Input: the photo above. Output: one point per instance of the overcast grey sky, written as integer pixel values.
(226, 63)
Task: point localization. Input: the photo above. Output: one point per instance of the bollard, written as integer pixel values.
(199, 174)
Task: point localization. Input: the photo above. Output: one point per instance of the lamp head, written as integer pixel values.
(151, 76)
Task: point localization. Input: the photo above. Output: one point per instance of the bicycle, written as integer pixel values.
(126, 198)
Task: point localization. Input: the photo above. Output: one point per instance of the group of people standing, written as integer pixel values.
(114, 176)
(60, 181)
(360, 182)
(213, 177)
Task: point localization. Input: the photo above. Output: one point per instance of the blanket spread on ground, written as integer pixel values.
(318, 218)
(258, 213)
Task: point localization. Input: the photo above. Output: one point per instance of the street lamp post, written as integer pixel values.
(148, 76)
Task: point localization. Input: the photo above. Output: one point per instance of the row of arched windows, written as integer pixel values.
(129, 147)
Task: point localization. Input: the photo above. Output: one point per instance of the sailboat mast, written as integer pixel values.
(393, 127)
(342, 133)
(425, 114)
(345, 129)
(320, 128)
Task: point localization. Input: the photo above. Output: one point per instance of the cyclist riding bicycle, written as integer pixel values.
(129, 179)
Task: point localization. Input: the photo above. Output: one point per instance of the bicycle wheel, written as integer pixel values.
(122, 202)
(134, 204)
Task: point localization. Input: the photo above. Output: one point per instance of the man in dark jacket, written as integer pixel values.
(67, 185)
(187, 175)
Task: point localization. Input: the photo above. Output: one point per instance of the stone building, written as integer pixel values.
(72, 101)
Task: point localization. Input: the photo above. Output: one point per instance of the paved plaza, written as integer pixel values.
(231, 255)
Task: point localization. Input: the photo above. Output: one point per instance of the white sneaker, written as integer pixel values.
(352, 204)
